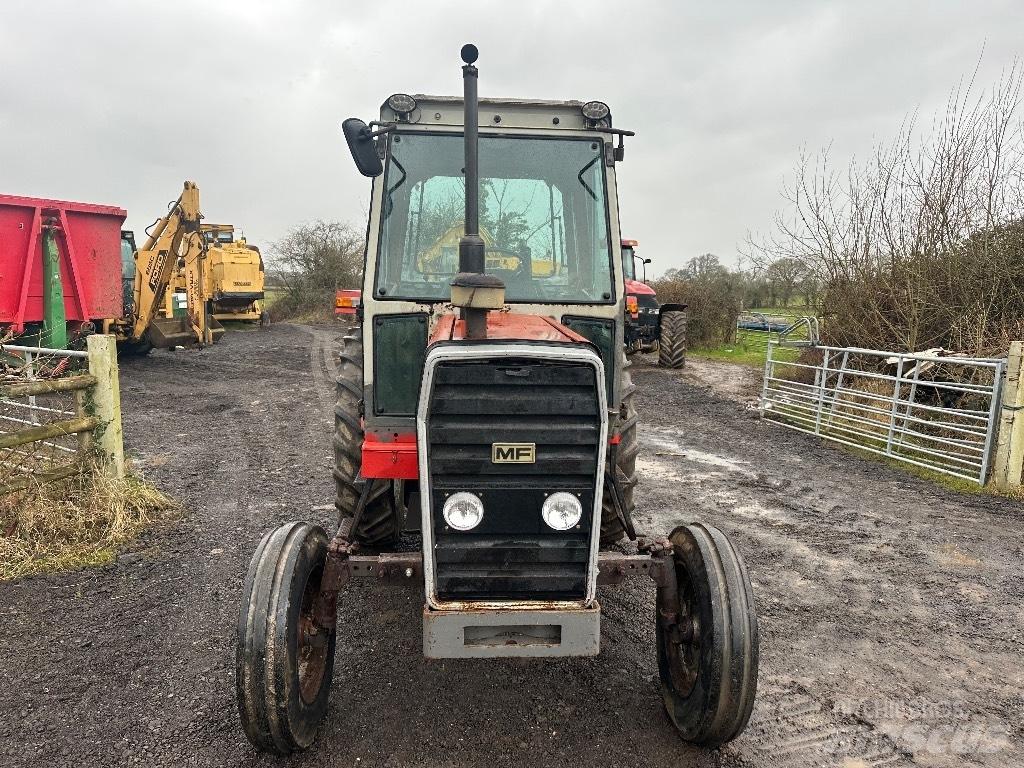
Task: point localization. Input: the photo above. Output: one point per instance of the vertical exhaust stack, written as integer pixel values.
(474, 292)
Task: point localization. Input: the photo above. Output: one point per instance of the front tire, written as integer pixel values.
(283, 663)
(709, 667)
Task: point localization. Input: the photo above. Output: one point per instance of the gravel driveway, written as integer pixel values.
(890, 608)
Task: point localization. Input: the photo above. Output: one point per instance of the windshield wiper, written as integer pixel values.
(390, 203)
(579, 177)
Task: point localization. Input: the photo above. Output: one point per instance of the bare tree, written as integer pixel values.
(312, 262)
(783, 276)
(713, 295)
(919, 245)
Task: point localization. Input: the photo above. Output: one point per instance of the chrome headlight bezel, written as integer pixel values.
(548, 511)
(462, 497)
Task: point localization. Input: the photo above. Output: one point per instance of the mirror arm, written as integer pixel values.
(619, 152)
(385, 128)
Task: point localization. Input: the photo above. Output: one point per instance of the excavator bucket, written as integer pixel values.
(167, 332)
(215, 328)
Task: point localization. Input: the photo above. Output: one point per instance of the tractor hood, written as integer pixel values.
(508, 327)
(637, 288)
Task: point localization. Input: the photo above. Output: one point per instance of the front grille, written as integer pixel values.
(512, 554)
(648, 309)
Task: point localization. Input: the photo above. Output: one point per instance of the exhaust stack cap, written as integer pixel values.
(473, 290)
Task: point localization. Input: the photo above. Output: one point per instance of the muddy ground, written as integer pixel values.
(890, 608)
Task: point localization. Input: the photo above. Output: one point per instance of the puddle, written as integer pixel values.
(656, 445)
(658, 468)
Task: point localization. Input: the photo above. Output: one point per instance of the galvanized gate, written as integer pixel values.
(934, 411)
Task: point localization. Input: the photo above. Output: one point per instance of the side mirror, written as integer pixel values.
(362, 146)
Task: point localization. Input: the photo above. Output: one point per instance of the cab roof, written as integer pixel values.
(513, 113)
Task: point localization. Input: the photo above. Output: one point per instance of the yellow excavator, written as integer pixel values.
(442, 256)
(232, 278)
(174, 239)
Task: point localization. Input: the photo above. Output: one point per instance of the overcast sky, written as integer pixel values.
(119, 102)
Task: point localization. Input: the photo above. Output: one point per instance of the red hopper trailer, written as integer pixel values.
(81, 245)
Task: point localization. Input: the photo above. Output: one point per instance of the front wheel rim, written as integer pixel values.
(311, 646)
(684, 655)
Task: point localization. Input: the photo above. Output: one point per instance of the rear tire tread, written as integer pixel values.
(612, 529)
(672, 339)
(378, 525)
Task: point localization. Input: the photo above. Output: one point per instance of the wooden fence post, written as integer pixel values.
(1009, 462)
(106, 401)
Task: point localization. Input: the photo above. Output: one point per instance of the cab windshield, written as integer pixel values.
(543, 218)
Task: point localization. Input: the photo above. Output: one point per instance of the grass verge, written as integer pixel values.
(742, 354)
(75, 523)
(939, 478)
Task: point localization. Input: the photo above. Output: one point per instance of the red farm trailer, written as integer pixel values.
(60, 267)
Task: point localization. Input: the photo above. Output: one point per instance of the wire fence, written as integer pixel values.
(49, 414)
(935, 411)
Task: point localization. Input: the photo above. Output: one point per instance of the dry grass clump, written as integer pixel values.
(73, 523)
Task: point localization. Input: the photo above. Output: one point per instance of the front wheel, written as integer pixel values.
(708, 656)
(283, 661)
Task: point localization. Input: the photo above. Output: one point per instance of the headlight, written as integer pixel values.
(463, 511)
(561, 511)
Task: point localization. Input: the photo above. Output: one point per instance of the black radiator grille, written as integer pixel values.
(512, 554)
(648, 309)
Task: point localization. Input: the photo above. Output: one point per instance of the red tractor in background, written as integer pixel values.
(346, 303)
(648, 325)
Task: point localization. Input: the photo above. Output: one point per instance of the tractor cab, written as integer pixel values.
(642, 311)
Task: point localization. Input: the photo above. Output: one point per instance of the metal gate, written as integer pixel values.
(934, 411)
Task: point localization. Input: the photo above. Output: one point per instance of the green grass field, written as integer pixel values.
(742, 354)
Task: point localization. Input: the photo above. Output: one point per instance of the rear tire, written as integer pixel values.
(625, 463)
(672, 339)
(709, 680)
(378, 525)
(282, 668)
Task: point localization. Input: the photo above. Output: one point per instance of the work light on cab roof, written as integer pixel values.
(402, 103)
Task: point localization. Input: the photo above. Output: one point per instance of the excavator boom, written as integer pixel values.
(175, 237)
